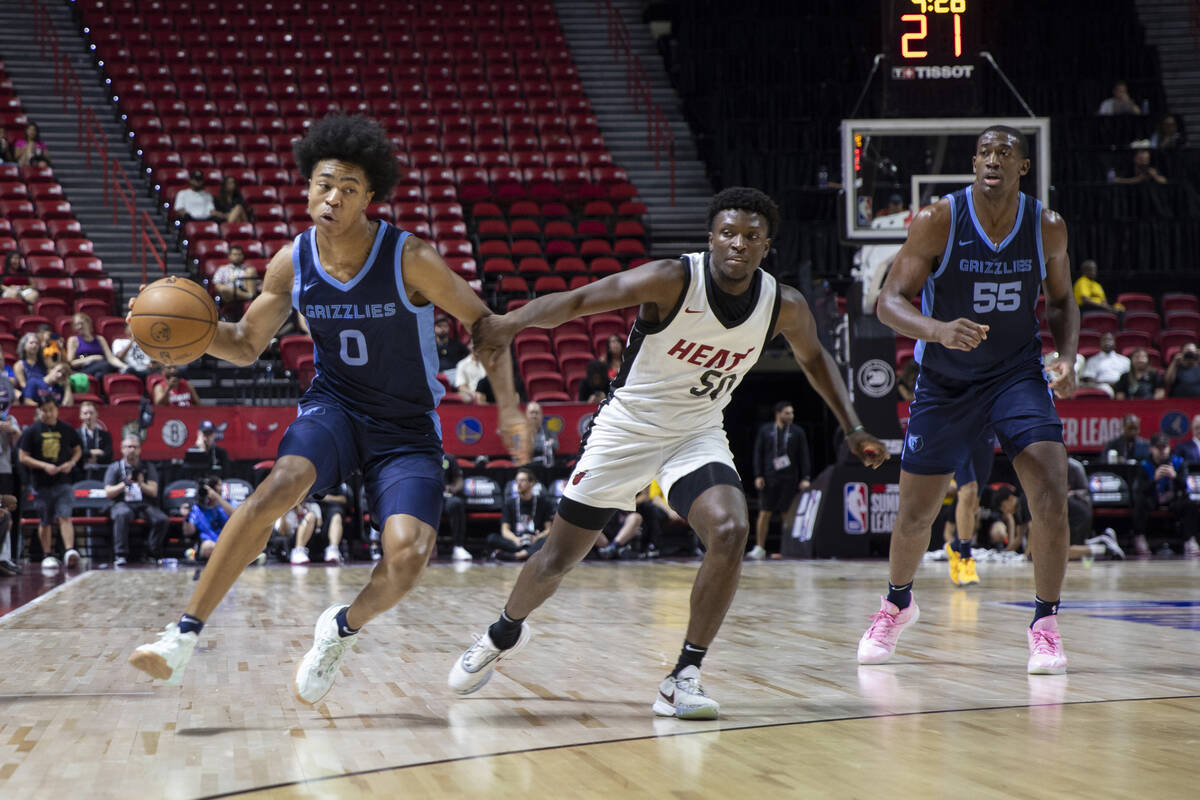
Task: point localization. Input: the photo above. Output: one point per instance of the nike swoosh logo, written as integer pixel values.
(693, 310)
(670, 699)
(967, 242)
(309, 286)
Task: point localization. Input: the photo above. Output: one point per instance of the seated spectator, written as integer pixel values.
(614, 351)
(545, 442)
(1164, 486)
(1008, 524)
(133, 358)
(97, 443)
(594, 386)
(1129, 446)
(1120, 102)
(29, 363)
(6, 152)
(1089, 294)
(1189, 449)
(229, 205)
(18, 281)
(616, 539)
(8, 536)
(468, 372)
(133, 486)
(1142, 170)
(236, 284)
(88, 351)
(1183, 375)
(206, 449)
(207, 517)
(171, 390)
(55, 384)
(194, 202)
(1106, 367)
(484, 394)
(50, 449)
(524, 523)
(450, 350)
(30, 149)
(906, 379)
(333, 509)
(1142, 381)
(454, 509)
(1167, 135)
(54, 349)
(299, 522)
(1079, 519)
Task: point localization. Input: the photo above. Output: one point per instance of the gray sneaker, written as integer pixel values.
(474, 667)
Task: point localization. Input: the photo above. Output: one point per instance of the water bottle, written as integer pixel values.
(822, 177)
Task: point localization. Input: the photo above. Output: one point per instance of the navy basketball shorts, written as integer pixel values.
(401, 468)
(978, 466)
(948, 416)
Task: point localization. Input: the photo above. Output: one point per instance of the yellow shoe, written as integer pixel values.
(955, 561)
(966, 572)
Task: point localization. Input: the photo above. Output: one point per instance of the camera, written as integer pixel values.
(203, 485)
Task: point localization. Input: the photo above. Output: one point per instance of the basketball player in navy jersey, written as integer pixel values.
(703, 323)
(978, 258)
(969, 477)
(367, 290)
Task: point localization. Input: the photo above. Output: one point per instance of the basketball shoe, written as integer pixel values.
(955, 562)
(474, 667)
(967, 574)
(167, 658)
(319, 667)
(333, 555)
(879, 642)
(682, 696)
(299, 555)
(1046, 655)
(757, 554)
(71, 558)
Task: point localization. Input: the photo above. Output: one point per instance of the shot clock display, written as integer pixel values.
(932, 49)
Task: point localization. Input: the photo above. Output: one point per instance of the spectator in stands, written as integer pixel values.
(615, 540)
(1167, 135)
(29, 362)
(172, 390)
(594, 386)
(1079, 518)
(50, 449)
(194, 202)
(1129, 446)
(8, 536)
(207, 516)
(1142, 381)
(545, 442)
(14, 269)
(206, 442)
(1142, 171)
(524, 523)
(10, 433)
(88, 351)
(1089, 294)
(1189, 449)
(1120, 102)
(454, 509)
(468, 372)
(1106, 367)
(1009, 520)
(483, 390)
(54, 349)
(133, 486)
(1164, 486)
(333, 510)
(1183, 374)
(782, 469)
(300, 521)
(236, 284)
(56, 384)
(614, 350)
(895, 205)
(134, 360)
(450, 350)
(229, 205)
(6, 152)
(30, 149)
(97, 443)
(906, 379)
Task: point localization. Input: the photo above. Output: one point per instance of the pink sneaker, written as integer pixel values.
(879, 642)
(1046, 655)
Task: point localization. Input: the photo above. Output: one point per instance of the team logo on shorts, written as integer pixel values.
(469, 430)
(855, 504)
(915, 442)
(876, 378)
(577, 477)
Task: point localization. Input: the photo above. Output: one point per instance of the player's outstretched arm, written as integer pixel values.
(925, 246)
(243, 342)
(798, 327)
(1062, 312)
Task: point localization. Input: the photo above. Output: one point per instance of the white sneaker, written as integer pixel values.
(299, 555)
(167, 658)
(757, 554)
(320, 665)
(333, 555)
(1190, 548)
(460, 554)
(474, 667)
(1109, 540)
(71, 558)
(50, 563)
(682, 696)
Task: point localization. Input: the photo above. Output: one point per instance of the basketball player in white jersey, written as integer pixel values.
(704, 321)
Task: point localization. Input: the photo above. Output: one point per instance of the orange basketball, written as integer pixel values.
(173, 320)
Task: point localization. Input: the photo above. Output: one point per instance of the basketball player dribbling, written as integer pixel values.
(367, 290)
(704, 321)
(978, 258)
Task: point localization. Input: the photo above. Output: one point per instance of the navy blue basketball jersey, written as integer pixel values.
(994, 285)
(375, 351)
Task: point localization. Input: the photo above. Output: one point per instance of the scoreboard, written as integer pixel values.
(932, 49)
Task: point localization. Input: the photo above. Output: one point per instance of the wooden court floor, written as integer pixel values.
(954, 715)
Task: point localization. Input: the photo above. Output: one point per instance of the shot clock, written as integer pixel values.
(932, 49)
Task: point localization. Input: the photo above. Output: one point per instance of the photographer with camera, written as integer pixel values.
(133, 484)
(208, 515)
(1183, 376)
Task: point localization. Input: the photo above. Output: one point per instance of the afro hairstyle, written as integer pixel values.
(355, 140)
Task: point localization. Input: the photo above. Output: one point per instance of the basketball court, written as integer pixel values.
(954, 713)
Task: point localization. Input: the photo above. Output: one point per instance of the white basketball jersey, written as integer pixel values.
(676, 377)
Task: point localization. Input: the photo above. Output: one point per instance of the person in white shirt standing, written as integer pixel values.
(1106, 367)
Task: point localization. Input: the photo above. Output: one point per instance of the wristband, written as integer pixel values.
(855, 430)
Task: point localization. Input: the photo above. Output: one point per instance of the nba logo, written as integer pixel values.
(855, 504)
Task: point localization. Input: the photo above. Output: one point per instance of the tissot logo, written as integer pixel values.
(959, 71)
